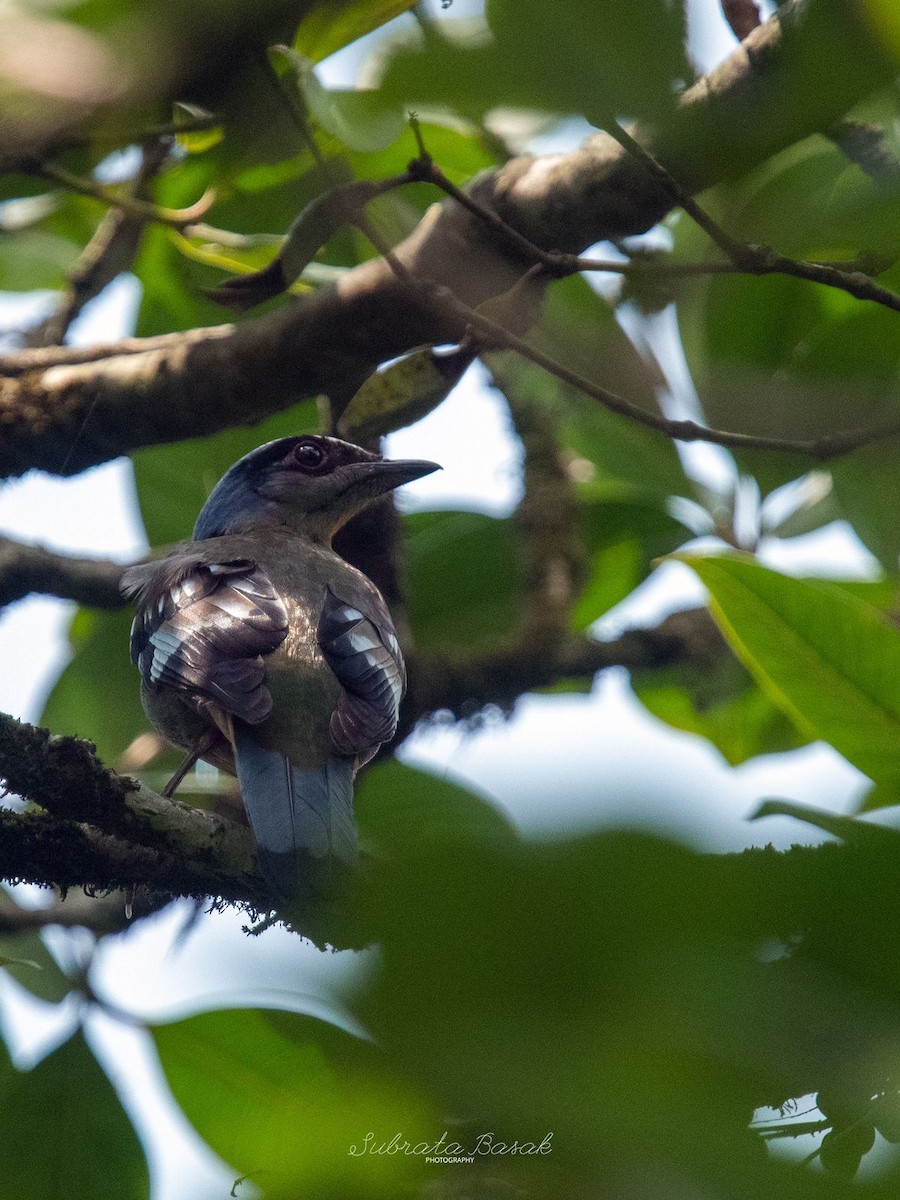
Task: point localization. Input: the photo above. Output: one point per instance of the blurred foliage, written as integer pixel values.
(73, 1140)
(27, 960)
(111, 714)
(474, 70)
(396, 804)
(283, 1097)
(610, 1015)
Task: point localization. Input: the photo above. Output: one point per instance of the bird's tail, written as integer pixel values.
(302, 818)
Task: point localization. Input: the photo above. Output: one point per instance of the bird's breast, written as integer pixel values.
(304, 692)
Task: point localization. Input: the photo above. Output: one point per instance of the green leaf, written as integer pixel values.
(742, 337)
(579, 329)
(848, 829)
(171, 299)
(589, 60)
(623, 537)
(403, 392)
(842, 1150)
(724, 705)
(330, 25)
(885, 1112)
(361, 120)
(879, 797)
(253, 255)
(35, 258)
(399, 806)
(831, 660)
(460, 151)
(789, 202)
(512, 974)
(784, 357)
(884, 23)
(883, 594)
(73, 1140)
(26, 958)
(619, 449)
(865, 485)
(97, 696)
(284, 1098)
(449, 555)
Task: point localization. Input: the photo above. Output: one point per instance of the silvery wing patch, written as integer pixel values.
(361, 649)
(202, 629)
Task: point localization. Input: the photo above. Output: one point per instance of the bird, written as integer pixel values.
(263, 652)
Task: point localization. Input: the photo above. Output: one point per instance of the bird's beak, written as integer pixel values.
(386, 474)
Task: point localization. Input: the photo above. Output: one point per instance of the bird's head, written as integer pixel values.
(308, 483)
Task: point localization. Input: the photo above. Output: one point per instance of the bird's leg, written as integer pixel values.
(192, 757)
(201, 746)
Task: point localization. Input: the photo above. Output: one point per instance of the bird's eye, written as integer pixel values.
(308, 455)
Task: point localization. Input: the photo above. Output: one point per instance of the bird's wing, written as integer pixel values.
(201, 628)
(361, 648)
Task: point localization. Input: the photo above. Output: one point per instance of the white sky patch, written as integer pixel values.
(600, 761)
(472, 438)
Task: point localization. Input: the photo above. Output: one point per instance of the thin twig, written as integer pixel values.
(291, 98)
(423, 169)
(743, 259)
(364, 224)
(491, 334)
(227, 237)
(110, 251)
(756, 260)
(141, 209)
(730, 246)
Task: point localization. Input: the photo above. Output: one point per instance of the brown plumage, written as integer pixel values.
(265, 653)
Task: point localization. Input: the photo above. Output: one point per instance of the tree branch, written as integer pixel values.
(25, 569)
(40, 849)
(102, 832)
(863, 145)
(462, 685)
(66, 412)
(551, 552)
(116, 832)
(867, 146)
(830, 445)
